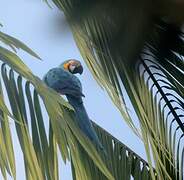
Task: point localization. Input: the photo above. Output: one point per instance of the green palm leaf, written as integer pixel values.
(58, 116)
(125, 45)
(34, 145)
(14, 44)
(112, 61)
(40, 151)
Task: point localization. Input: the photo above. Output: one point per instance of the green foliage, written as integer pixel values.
(34, 145)
(40, 152)
(125, 46)
(138, 52)
(15, 44)
(31, 105)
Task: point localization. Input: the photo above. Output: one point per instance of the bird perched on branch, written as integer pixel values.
(63, 80)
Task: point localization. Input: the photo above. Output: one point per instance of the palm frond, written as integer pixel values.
(123, 162)
(15, 44)
(113, 42)
(64, 128)
(29, 99)
(40, 148)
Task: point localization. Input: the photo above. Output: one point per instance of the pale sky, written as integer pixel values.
(43, 29)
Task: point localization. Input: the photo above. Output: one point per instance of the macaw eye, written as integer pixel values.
(72, 67)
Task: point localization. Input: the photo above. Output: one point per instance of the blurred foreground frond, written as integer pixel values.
(133, 45)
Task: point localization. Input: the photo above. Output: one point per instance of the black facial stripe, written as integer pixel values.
(78, 69)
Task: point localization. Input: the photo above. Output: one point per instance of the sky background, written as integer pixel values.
(45, 31)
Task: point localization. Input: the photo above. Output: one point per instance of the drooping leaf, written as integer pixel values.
(16, 44)
(122, 44)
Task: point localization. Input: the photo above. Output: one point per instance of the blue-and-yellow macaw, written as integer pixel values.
(63, 80)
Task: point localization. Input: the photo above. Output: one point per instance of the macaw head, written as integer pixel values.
(73, 66)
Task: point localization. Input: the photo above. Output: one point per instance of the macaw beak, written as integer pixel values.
(78, 69)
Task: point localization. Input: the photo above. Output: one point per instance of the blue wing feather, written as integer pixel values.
(68, 84)
(63, 82)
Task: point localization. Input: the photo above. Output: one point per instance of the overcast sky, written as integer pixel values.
(43, 29)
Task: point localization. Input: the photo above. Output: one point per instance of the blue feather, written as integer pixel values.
(68, 84)
(83, 120)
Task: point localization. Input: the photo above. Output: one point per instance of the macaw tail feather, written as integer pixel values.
(83, 120)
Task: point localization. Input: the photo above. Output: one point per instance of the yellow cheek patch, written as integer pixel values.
(66, 66)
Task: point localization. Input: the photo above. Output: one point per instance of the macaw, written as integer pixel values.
(63, 80)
